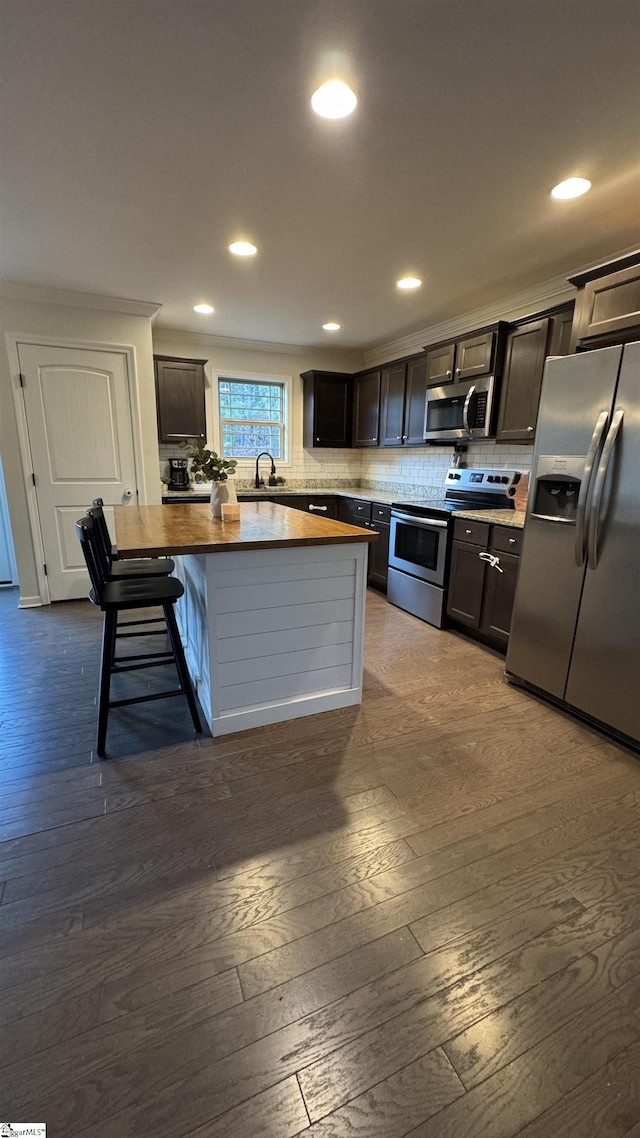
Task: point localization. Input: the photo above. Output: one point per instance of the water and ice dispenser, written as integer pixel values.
(556, 487)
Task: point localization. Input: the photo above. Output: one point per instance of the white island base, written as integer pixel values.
(273, 634)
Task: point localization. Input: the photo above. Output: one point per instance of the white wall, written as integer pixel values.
(304, 464)
(62, 322)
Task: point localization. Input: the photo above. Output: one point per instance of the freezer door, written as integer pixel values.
(575, 407)
(603, 678)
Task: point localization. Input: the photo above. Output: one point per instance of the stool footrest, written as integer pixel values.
(146, 698)
(148, 620)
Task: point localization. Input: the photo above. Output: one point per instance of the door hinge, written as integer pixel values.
(45, 570)
(21, 378)
(33, 478)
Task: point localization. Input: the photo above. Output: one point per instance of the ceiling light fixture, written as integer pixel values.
(242, 248)
(331, 326)
(204, 309)
(570, 188)
(334, 100)
(409, 282)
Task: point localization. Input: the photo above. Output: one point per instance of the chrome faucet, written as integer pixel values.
(272, 475)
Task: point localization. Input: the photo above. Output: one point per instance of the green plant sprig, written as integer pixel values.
(206, 465)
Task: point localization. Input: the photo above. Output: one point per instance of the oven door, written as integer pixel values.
(461, 410)
(418, 546)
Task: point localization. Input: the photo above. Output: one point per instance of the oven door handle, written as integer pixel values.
(465, 409)
(422, 523)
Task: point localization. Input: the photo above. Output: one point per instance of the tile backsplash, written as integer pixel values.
(380, 468)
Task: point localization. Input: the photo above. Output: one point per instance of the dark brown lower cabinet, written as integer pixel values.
(499, 595)
(466, 582)
(375, 516)
(481, 594)
(379, 556)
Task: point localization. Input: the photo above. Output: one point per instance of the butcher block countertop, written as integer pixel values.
(155, 531)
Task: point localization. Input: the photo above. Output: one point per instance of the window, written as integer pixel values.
(252, 417)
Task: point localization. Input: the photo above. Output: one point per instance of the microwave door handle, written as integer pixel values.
(465, 409)
(598, 490)
(585, 486)
(421, 523)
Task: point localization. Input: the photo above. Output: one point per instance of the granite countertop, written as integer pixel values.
(152, 531)
(513, 518)
(385, 497)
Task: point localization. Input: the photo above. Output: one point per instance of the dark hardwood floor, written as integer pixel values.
(419, 917)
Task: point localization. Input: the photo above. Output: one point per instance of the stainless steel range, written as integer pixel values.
(420, 538)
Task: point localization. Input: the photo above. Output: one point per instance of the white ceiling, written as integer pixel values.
(140, 136)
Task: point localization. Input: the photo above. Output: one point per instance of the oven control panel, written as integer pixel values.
(481, 480)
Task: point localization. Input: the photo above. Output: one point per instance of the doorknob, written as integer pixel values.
(128, 494)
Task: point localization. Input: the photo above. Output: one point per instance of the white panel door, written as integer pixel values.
(80, 432)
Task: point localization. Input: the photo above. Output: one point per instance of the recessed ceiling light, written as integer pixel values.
(205, 309)
(331, 326)
(334, 100)
(409, 282)
(243, 248)
(571, 188)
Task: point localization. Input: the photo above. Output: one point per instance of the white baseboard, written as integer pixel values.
(30, 603)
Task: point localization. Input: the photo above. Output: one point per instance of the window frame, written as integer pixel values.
(246, 464)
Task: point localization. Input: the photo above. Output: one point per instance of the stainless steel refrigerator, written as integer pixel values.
(575, 633)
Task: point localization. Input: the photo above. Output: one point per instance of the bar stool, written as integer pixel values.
(113, 597)
(134, 567)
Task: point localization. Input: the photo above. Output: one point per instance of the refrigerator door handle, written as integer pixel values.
(598, 489)
(585, 486)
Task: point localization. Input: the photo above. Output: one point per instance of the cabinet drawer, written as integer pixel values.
(323, 507)
(360, 510)
(477, 533)
(380, 513)
(506, 539)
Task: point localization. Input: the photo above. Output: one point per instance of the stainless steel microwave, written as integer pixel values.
(461, 410)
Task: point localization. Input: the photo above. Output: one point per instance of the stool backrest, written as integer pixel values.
(86, 531)
(103, 536)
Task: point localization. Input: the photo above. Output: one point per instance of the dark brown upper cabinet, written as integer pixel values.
(560, 332)
(479, 353)
(403, 395)
(415, 399)
(527, 347)
(608, 304)
(525, 354)
(475, 355)
(366, 409)
(327, 409)
(439, 364)
(180, 399)
(392, 386)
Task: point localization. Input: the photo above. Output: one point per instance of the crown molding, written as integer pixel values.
(557, 290)
(42, 294)
(162, 333)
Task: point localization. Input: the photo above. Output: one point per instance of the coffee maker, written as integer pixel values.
(179, 474)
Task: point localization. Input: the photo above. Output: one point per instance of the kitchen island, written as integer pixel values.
(272, 619)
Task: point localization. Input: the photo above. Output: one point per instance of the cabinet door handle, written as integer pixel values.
(449, 373)
(318, 507)
(530, 428)
(512, 541)
(458, 370)
(494, 561)
(467, 531)
(405, 436)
